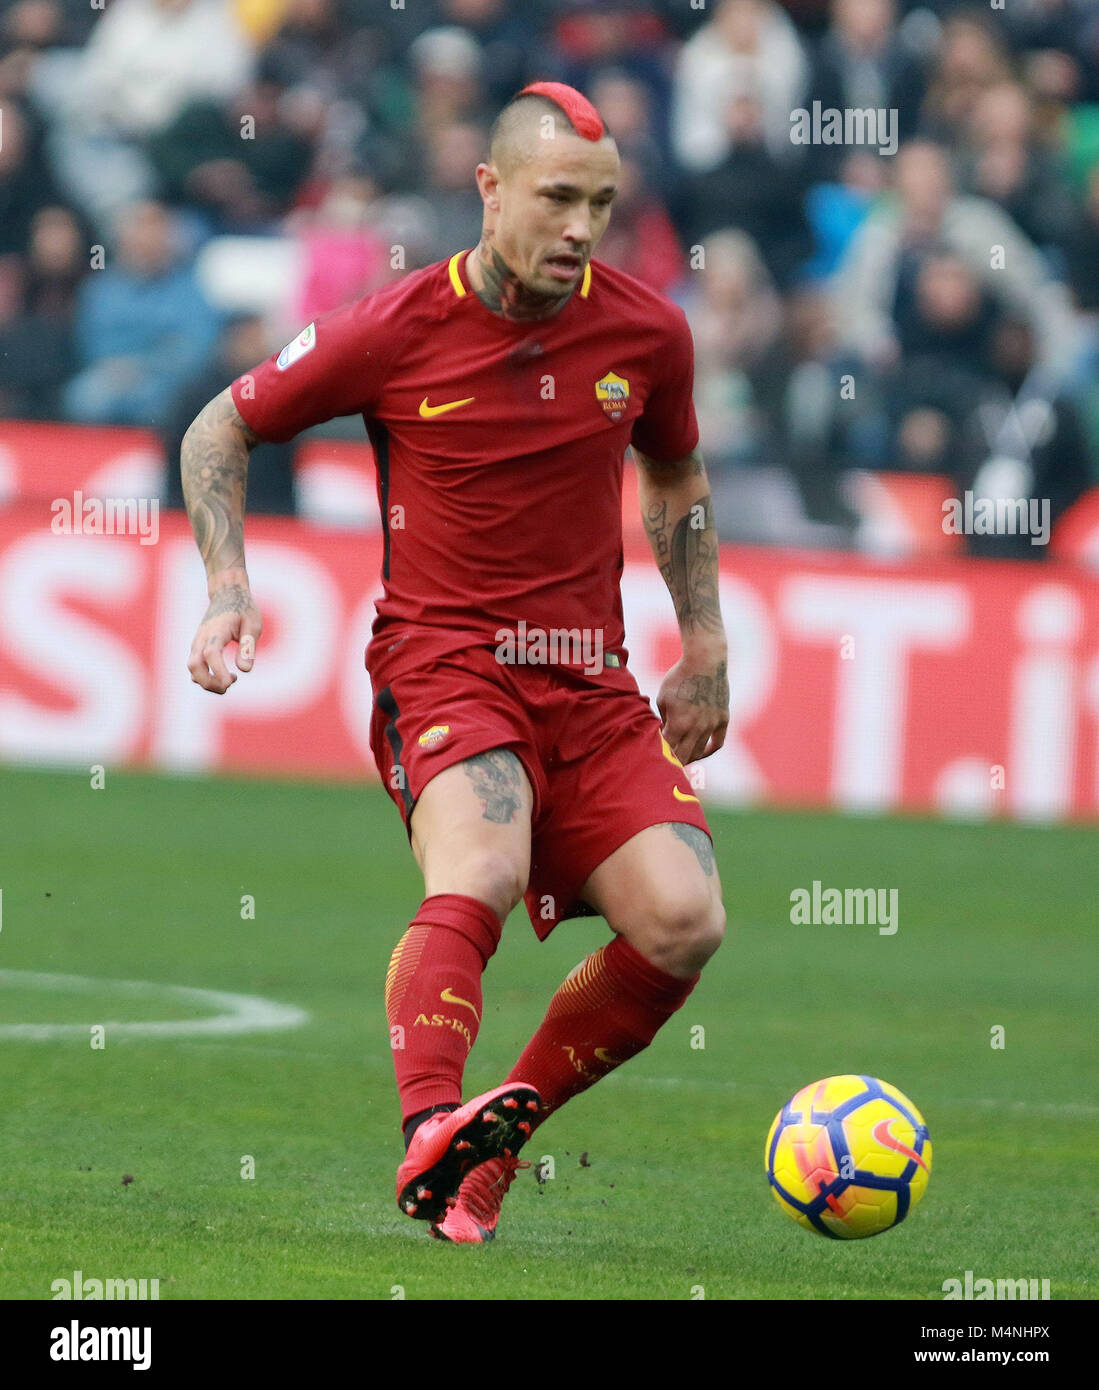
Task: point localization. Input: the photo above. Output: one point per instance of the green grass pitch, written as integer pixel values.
(143, 880)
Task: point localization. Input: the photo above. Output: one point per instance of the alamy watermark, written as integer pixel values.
(90, 1289)
(554, 646)
(76, 1343)
(106, 516)
(874, 126)
(997, 516)
(846, 907)
(979, 1290)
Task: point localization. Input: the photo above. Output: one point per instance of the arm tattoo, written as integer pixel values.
(688, 562)
(656, 527)
(699, 841)
(214, 469)
(497, 780)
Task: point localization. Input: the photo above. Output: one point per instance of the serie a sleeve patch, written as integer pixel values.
(305, 342)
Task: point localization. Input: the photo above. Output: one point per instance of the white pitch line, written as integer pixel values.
(241, 1013)
(1039, 1107)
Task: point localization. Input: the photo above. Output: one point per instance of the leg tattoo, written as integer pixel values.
(699, 841)
(497, 780)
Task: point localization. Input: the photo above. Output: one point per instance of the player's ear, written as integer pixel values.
(488, 181)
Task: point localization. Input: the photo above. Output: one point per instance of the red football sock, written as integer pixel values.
(433, 997)
(608, 1010)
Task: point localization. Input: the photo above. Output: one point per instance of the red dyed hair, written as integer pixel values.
(585, 119)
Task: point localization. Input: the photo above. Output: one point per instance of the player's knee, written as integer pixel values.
(683, 933)
(492, 877)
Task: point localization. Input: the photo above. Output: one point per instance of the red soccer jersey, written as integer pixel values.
(498, 445)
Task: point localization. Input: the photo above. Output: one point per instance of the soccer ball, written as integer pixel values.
(848, 1157)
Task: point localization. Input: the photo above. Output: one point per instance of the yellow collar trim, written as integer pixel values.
(455, 277)
(460, 289)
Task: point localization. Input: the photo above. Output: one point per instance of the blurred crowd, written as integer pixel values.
(184, 183)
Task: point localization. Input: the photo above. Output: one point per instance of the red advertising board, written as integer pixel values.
(899, 513)
(945, 686)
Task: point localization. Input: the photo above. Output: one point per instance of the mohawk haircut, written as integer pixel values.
(582, 115)
(540, 99)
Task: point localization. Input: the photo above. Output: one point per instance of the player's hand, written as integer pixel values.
(231, 617)
(694, 703)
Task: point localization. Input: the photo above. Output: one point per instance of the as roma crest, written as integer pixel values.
(613, 394)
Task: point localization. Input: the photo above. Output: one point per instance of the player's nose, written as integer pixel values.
(578, 232)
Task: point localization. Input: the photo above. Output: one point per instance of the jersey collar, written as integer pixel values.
(457, 261)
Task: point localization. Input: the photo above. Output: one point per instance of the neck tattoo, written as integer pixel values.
(504, 293)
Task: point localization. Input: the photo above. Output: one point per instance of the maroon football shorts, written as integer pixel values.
(598, 765)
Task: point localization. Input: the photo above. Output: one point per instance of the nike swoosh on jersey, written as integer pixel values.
(427, 411)
(682, 796)
(449, 998)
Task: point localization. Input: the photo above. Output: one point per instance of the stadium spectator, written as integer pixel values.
(943, 313)
(145, 60)
(1060, 40)
(240, 164)
(37, 307)
(35, 350)
(627, 37)
(628, 108)
(449, 66)
(406, 224)
(749, 50)
(945, 320)
(312, 45)
(862, 63)
(1025, 440)
(972, 57)
(143, 326)
(835, 211)
(30, 23)
(352, 57)
(1082, 261)
(450, 192)
(344, 255)
(750, 189)
(506, 37)
(1082, 247)
(972, 402)
(57, 262)
(315, 23)
(736, 320)
(812, 414)
(242, 343)
(25, 186)
(927, 214)
(811, 16)
(39, 25)
(641, 239)
(1005, 163)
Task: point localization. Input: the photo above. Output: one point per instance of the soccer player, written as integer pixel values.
(500, 390)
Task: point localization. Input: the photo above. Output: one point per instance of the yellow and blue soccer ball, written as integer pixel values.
(849, 1156)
